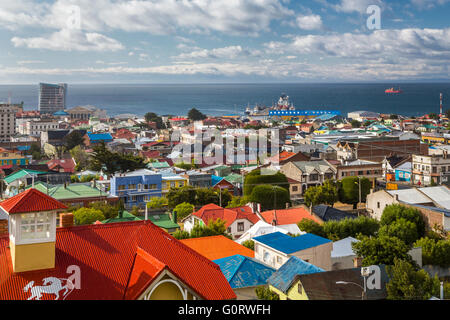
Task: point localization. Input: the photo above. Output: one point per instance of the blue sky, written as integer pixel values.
(178, 41)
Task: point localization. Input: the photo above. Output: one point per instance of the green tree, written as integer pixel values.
(85, 216)
(324, 194)
(407, 283)
(396, 212)
(361, 226)
(249, 244)
(310, 226)
(270, 197)
(183, 210)
(264, 293)
(195, 115)
(135, 211)
(401, 228)
(153, 117)
(237, 202)
(81, 158)
(434, 252)
(157, 203)
(205, 196)
(73, 139)
(175, 196)
(109, 211)
(224, 197)
(255, 178)
(349, 190)
(214, 228)
(380, 250)
(181, 234)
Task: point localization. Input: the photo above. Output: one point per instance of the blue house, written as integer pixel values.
(136, 188)
(403, 172)
(244, 274)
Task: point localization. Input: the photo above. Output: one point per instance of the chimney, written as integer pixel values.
(357, 262)
(274, 220)
(258, 207)
(396, 198)
(66, 220)
(4, 227)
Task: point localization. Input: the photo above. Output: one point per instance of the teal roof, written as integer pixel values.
(242, 272)
(285, 276)
(22, 173)
(158, 165)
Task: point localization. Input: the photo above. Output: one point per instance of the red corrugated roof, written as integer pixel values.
(213, 212)
(217, 247)
(288, 216)
(31, 200)
(106, 255)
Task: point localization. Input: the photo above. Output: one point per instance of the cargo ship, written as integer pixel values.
(392, 90)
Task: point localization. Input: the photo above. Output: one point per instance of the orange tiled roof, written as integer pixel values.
(117, 261)
(217, 247)
(213, 212)
(288, 216)
(31, 200)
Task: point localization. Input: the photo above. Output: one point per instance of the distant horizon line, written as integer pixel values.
(231, 83)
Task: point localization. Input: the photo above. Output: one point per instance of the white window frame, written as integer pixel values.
(16, 230)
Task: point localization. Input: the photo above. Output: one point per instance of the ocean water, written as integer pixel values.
(228, 99)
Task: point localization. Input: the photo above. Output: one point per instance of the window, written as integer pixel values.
(132, 187)
(279, 259)
(299, 288)
(294, 188)
(153, 186)
(35, 226)
(378, 205)
(120, 188)
(240, 226)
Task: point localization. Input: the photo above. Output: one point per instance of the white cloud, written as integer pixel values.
(30, 62)
(230, 52)
(246, 17)
(309, 22)
(428, 4)
(360, 6)
(70, 40)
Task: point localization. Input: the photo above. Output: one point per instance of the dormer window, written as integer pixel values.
(33, 227)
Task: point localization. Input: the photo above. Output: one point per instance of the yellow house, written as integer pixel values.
(345, 284)
(285, 281)
(174, 181)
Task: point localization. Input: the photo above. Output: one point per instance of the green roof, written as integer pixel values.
(234, 178)
(22, 173)
(71, 191)
(126, 217)
(163, 221)
(158, 165)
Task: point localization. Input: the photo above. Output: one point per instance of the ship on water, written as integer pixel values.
(285, 110)
(282, 104)
(392, 90)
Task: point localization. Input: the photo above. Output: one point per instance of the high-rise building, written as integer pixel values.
(7, 122)
(52, 97)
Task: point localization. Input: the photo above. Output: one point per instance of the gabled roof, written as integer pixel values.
(327, 213)
(217, 247)
(213, 212)
(323, 286)
(285, 276)
(31, 200)
(22, 173)
(288, 216)
(343, 248)
(287, 244)
(242, 272)
(106, 255)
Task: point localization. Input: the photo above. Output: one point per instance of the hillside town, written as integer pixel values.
(330, 207)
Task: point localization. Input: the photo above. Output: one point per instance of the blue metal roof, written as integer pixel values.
(284, 277)
(242, 272)
(99, 136)
(23, 148)
(60, 113)
(215, 180)
(288, 244)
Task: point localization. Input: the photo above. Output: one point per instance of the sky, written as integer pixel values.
(229, 41)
